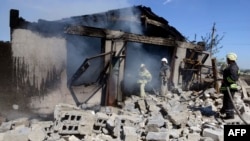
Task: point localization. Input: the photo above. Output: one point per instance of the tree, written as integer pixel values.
(212, 41)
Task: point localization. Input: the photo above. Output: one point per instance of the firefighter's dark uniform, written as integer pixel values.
(230, 76)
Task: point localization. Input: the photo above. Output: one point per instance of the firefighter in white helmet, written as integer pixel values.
(230, 77)
(164, 76)
(144, 77)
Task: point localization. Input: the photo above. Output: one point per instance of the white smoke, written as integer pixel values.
(40, 54)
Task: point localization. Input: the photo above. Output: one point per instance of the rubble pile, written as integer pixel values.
(179, 116)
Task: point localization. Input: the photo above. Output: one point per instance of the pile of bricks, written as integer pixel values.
(186, 116)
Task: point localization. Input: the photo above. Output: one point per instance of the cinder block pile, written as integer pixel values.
(185, 116)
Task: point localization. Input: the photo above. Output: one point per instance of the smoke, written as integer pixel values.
(82, 47)
(127, 20)
(41, 56)
(150, 55)
(49, 53)
(44, 51)
(79, 48)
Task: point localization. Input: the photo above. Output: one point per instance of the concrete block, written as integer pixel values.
(182, 139)
(174, 133)
(19, 134)
(152, 128)
(37, 134)
(206, 139)
(111, 122)
(157, 119)
(87, 122)
(2, 136)
(74, 121)
(131, 120)
(21, 121)
(216, 135)
(73, 138)
(100, 122)
(129, 107)
(142, 106)
(178, 118)
(102, 137)
(118, 127)
(53, 137)
(195, 129)
(48, 126)
(101, 119)
(154, 123)
(193, 137)
(157, 136)
(5, 126)
(130, 133)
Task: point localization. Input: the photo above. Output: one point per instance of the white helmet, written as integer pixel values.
(164, 60)
(142, 65)
(232, 56)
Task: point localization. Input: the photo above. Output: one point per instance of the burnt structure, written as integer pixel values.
(111, 46)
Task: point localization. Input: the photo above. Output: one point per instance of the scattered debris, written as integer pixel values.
(158, 118)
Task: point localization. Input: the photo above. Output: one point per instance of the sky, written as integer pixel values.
(192, 18)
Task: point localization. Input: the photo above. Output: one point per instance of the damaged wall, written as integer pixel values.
(45, 58)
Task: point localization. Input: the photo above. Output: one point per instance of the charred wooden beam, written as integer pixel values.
(215, 76)
(159, 24)
(154, 22)
(118, 35)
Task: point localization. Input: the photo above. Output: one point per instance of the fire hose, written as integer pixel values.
(230, 96)
(235, 108)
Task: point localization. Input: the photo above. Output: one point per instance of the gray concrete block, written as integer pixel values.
(19, 134)
(193, 137)
(73, 138)
(142, 106)
(216, 135)
(178, 118)
(37, 134)
(195, 129)
(21, 121)
(130, 133)
(2, 136)
(174, 133)
(206, 139)
(118, 127)
(157, 136)
(5, 126)
(53, 137)
(155, 122)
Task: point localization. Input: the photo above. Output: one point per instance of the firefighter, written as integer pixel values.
(144, 77)
(164, 76)
(230, 77)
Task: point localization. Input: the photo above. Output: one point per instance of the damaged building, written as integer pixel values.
(92, 61)
(104, 49)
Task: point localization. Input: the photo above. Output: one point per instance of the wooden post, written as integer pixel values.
(215, 72)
